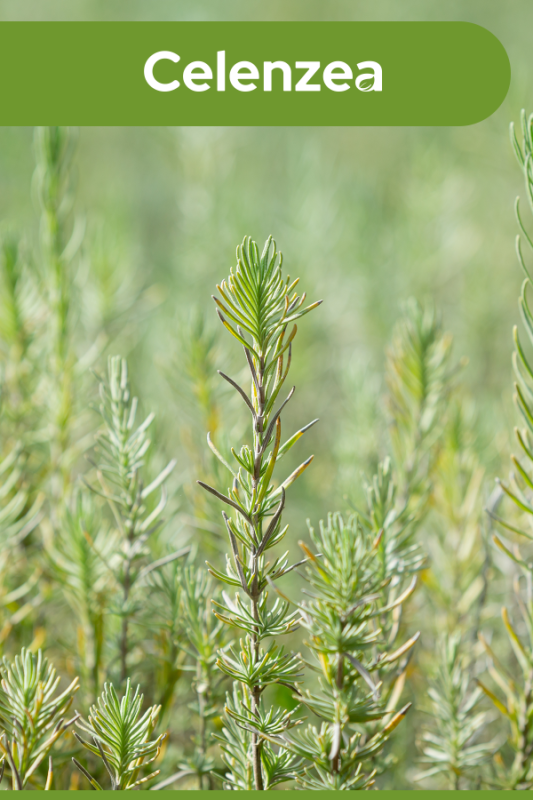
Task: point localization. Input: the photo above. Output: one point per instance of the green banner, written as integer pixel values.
(250, 73)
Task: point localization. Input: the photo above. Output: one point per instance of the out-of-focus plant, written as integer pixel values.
(18, 518)
(121, 450)
(200, 637)
(203, 638)
(452, 747)
(433, 438)
(432, 431)
(60, 239)
(517, 702)
(84, 557)
(418, 373)
(121, 738)
(32, 715)
(457, 583)
(259, 307)
(356, 587)
(164, 618)
(195, 384)
(21, 315)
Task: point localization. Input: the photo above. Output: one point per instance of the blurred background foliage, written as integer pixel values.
(369, 218)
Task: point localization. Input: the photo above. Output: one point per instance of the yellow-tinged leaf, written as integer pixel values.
(307, 551)
(499, 705)
(397, 718)
(523, 658)
(401, 650)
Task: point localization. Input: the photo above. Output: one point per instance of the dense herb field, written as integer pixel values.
(383, 639)
(293, 656)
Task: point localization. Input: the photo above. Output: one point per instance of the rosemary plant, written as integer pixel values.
(517, 705)
(199, 637)
(196, 386)
(165, 618)
(61, 238)
(259, 307)
(19, 593)
(452, 748)
(83, 556)
(21, 316)
(122, 447)
(32, 715)
(121, 738)
(418, 376)
(17, 517)
(433, 424)
(359, 579)
(455, 537)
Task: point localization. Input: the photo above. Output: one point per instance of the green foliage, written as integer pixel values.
(121, 449)
(452, 746)
(418, 373)
(199, 637)
(83, 555)
(521, 482)
(121, 737)
(512, 698)
(32, 714)
(456, 536)
(243, 723)
(517, 705)
(17, 518)
(97, 579)
(355, 587)
(60, 240)
(258, 306)
(21, 317)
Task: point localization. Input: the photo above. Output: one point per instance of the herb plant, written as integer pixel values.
(260, 308)
(272, 671)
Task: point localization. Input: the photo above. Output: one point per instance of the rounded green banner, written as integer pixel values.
(250, 73)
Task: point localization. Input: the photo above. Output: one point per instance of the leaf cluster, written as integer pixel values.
(120, 736)
(32, 714)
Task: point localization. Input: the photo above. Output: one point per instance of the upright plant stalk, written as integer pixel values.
(202, 638)
(418, 376)
(121, 449)
(21, 316)
(453, 747)
(517, 705)
(198, 638)
(431, 433)
(259, 308)
(356, 587)
(196, 387)
(60, 240)
(83, 555)
(431, 429)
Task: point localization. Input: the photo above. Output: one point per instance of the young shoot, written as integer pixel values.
(260, 308)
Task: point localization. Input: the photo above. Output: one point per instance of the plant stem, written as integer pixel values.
(524, 748)
(258, 444)
(124, 632)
